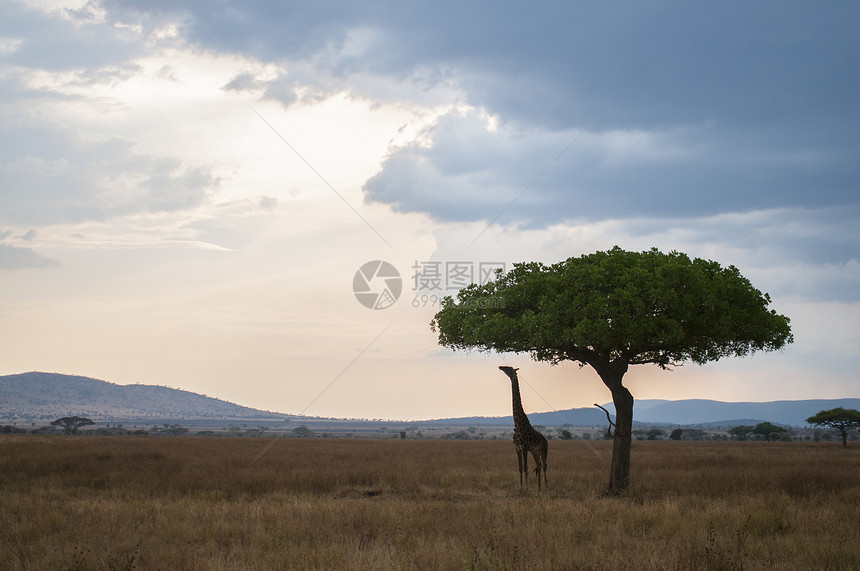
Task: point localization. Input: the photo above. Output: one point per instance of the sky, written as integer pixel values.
(191, 191)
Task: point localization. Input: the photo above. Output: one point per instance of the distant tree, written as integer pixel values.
(693, 434)
(169, 430)
(303, 432)
(769, 430)
(10, 429)
(842, 419)
(71, 424)
(45, 430)
(740, 432)
(117, 430)
(655, 433)
(565, 435)
(611, 310)
(676, 434)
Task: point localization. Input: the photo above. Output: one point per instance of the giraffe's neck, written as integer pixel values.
(521, 421)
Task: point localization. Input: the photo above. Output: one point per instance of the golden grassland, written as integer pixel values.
(229, 503)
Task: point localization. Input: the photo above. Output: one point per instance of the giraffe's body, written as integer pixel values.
(527, 440)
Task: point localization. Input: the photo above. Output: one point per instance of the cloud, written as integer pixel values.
(53, 174)
(17, 258)
(245, 81)
(64, 40)
(691, 110)
(632, 65)
(465, 167)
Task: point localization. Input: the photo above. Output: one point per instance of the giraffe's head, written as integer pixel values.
(509, 371)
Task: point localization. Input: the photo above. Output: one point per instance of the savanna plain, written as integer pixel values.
(74, 502)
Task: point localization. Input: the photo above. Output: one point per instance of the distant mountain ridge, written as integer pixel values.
(572, 416)
(695, 412)
(39, 396)
(711, 412)
(47, 396)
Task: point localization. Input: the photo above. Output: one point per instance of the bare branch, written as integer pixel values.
(609, 432)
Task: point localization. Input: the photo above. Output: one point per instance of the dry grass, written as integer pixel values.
(196, 503)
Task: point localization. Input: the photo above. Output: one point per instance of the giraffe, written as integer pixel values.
(526, 439)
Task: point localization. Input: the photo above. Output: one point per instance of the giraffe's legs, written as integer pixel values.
(540, 466)
(540, 458)
(525, 472)
(520, 454)
(545, 485)
(536, 455)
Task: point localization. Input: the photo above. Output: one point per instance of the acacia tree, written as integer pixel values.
(740, 432)
(769, 430)
(71, 424)
(842, 419)
(611, 310)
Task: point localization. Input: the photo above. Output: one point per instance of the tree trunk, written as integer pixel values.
(619, 475)
(612, 373)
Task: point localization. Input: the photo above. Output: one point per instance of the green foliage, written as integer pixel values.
(460, 435)
(168, 429)
(676, 434)
(639, 307)
(71, 424)
(842, 419)
(769, 430)
(690, 434)
(740, 432)
(836, 417)
(10, 429)
(303, 432)
(655, 433)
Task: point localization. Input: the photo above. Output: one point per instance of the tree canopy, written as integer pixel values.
(71, 424)
(740, 432)
(611, 310)
(769, 430)
(842, 419)
(641, 307)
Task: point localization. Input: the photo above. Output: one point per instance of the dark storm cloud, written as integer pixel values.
(761, 95)
(469, 173)
(634, 65)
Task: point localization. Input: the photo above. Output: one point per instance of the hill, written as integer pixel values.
(47, 396)
(688, 412)
(718, 413)
(573, 416)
